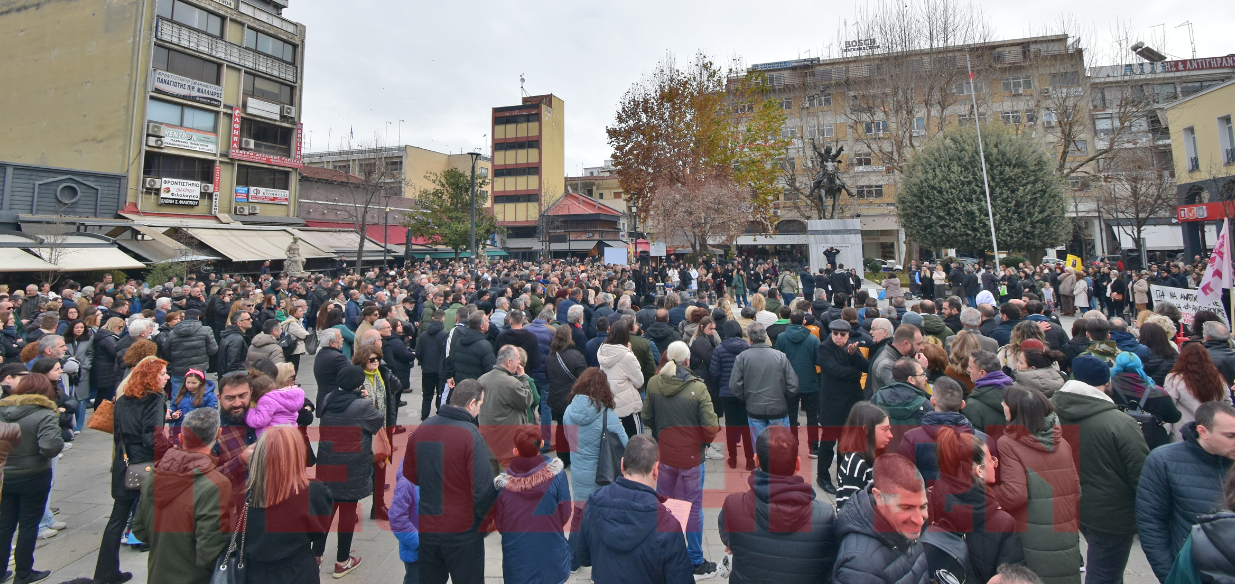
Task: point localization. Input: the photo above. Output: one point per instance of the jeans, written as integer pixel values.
(787, 298)
(1107, 556)
(107, 567)
(48, 518)
(463, 564)
(79, 418)
(21, 506)
(739, 298)
(972, 300)
(686, 484)
(757, 426)
(411, 573)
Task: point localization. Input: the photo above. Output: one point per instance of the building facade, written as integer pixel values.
(1203, 145)
(408, 165)
(529, 166)
(193, 104)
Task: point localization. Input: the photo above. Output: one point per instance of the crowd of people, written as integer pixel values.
(572, 407)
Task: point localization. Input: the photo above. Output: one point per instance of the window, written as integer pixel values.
(820, 130)
(269, 138)
(1016, 85)
(963, 88)
(744, 108)
(264, 43)
(786, 103)
(1031, 117)
(394, 166)
(529, 171)
(776, 78)
(346, 167)
(191, 16)
(789, 132)
(179, 115)
(523, 119)
(263, 88)
(1186, 89)
(482, 171)
(919, 126)
(1078, 147)
(1190, 151)
(1066, 79)
(521, 232)
(791, 195)
(368, 168)
(262, 178)
(1049, 117)
(1104, 125)
(869, 192)
(819, 100)
(1226, 139)
(517, 145)
(876, 128)
(828, 131)
(789, 165)
(515, 199)
(966, 119)
(1011, 117)
(161, 165)
(861, 159)
(1164, 92)
(186, 65)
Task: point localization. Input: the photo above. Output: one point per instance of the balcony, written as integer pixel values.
(196, 40)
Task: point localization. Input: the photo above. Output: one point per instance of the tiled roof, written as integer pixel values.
(577, 204)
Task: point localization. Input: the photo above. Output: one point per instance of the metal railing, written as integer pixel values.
(1194, 164)
(196, 40)
(1229, 155)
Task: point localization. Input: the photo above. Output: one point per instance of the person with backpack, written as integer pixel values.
(905, 399)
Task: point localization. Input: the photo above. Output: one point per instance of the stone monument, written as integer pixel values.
(294, 264)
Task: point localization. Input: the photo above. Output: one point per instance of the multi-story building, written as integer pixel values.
(1203, 145)
(408, 165)
(882, 106)
(529, 167)
(183, 108)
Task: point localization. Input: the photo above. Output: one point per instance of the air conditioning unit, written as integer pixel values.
(289, 111)
(1046, 92)
(240, 210)
(253, 209)
(207, 188)
(155, 130)
(153, 184)
(153, 142)
(247, 143)
(776, 212)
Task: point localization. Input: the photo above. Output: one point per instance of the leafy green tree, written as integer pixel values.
(444, 215)
(942, 203)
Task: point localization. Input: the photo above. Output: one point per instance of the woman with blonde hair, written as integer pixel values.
(963, 346)
(1011, 352)
(288, 515)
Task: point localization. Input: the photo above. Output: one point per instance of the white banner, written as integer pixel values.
(177, 85)
(1218, 274)
(657, 249)
(180, 192)
(1188, 301)
(275, 196)
(184, 138)
(616, 256)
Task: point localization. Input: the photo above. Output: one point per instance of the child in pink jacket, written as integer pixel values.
(273, 407)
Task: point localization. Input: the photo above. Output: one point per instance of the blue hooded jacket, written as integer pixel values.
(628, 537)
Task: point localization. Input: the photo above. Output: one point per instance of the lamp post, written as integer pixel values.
(385, 238)
(475, 156)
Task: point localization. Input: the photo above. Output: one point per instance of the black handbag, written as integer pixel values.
(310, 342)
(230, 568)
(134, 474)
(609, 461)
(1152, 427)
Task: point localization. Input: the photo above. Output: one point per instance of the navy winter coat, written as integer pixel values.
(533, 507)
(722, 362)
(628, 537)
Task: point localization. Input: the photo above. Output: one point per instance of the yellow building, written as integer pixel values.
(529, 168)
(406, 164)
(1203, 147)
(187, 108)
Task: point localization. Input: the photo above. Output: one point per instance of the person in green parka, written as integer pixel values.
(739, 287)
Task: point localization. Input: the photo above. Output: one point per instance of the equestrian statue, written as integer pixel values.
(828, 183)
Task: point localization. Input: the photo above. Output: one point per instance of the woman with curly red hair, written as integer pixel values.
(1193, 381)
(138, 438)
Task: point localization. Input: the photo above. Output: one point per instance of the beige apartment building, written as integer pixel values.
(408, 165)
(529, 169)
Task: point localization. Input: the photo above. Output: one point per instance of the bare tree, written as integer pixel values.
(1136, 189)
(715, 210)
(53, 245)
(377, 180)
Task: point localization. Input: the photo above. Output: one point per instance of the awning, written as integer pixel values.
(575, 245)
(16, 260)
(89, 259)
(1158, 237)
(615, 243)
(250, 245)
(450, 254)
(340, 242)
(156, 252)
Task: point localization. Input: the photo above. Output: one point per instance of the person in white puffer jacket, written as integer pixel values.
(621, 367)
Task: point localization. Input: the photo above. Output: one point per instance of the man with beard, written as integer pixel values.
(235, 444)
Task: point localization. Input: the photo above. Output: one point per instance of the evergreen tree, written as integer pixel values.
(942, 203)
(444, 217)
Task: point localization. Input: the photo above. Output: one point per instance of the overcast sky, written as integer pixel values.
(441, 66)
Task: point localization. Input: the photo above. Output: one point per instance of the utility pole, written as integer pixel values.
(475, 156)
(990, 213)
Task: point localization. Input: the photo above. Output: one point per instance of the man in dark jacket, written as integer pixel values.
(189, 346)
(469, 355)
(971, 285)
(1011, 316)
(188, 524)
(841, 366)
(450, 461)
(661, 332)
(952, 314)
(880, 526)
(840, 283)
(1182, 481)
(905, 399)
(602, 333)
(1056, 337)
(1218, 343)
(627, 535)
(808, 283)
(1112, 452)
(907, 341)
(233, 349)
(801, 348)
(430, 347)
(327, 364)
(778, 531)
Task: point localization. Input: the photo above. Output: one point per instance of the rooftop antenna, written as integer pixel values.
(1162, 39)
(521, 89)
(1191, 37)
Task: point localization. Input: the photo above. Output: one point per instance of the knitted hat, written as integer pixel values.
(1032, 344)
(912, 318)
(1091, 370)
(350, 378)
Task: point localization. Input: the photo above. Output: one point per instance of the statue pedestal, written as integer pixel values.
(843, 234)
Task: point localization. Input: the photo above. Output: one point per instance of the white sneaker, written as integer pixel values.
(58, 525)
(68, 446)
(725, 567)
(713, 453)
(46, 533)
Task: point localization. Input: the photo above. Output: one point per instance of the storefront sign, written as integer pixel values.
(180, 86)
(263, 109)
(859, 45)
(1187, 301)
(186, 139)
(214, 198)
(657, 249)
(228, 3)
(275, 196)
(1201, 212)
(242, 194)
(180, 192)
(236, 153)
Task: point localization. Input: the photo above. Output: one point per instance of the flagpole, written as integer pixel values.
(990, 213)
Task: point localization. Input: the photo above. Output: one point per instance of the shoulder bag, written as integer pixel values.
(230, 567)
(609, 461)
(310, 342)
(564, 367)
(1152, 428)
(134, 474)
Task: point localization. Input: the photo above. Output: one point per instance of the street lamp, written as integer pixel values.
(385, 238)
(475, 156)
